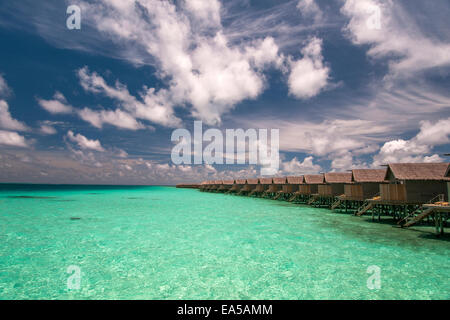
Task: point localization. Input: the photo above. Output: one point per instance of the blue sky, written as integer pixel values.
(348, 83)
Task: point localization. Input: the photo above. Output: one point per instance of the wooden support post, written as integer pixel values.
(436, 222)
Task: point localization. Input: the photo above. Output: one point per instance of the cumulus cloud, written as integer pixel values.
(203, 70)
(10, 138)
(84, 143)
(206, 12)
(154, 107)
(300, 167)
(418, 148)
(116, 118)
(4, 88)
(434, 133)
(309, 8)
(308, 75)
(345, 160)
(7, 121)
(47, 129)
(119, 118)
(58, 105)
(394, 34)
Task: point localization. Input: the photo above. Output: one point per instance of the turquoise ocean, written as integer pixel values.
(166, 243)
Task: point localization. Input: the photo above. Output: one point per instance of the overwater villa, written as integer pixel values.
(333, 187)
(249, 186)
(288, 189)
(308, 188)
(409, 187)
(212, 185)
(188, 186)
(216, 186)
(205, 185)
(447, 175)
(365, 184)
(226, 186)
(275, 187)
(237, 186)
(408, 192)
(262, 187)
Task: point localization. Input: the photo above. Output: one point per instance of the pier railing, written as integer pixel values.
(419, 210)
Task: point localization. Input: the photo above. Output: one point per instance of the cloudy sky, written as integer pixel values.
(349, 83)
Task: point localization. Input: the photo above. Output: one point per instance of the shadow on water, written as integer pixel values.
(29, 197)
(396, 233)
(422, 231)
(443, 237)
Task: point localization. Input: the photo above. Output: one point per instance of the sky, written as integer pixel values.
(349, 84)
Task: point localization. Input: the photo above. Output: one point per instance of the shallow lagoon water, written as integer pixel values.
(167, 243)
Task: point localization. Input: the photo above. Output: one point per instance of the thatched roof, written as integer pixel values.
(295, 180)
(265, 180)
(338, 177)
(447, 174)
(240, 181)
(418, 171)
(253, 181)
(369, 175)
(313, 178)
(280, 180)
(228, 182)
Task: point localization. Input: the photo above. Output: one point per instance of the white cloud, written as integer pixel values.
(116, 118)
(47, 129)
(309, 8)
(84, 143)
(202, 69)
(308, 76)
(205, 12)
(400, 150)
(58, 105)
(10, 138)
(120, 153)
(345, 160)
(419, 147)
(7, 121)
(4, 89)
(342, 162)
(326, 137)
(153, 107)
(399, 37)
(296, 167)
(434, 133)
